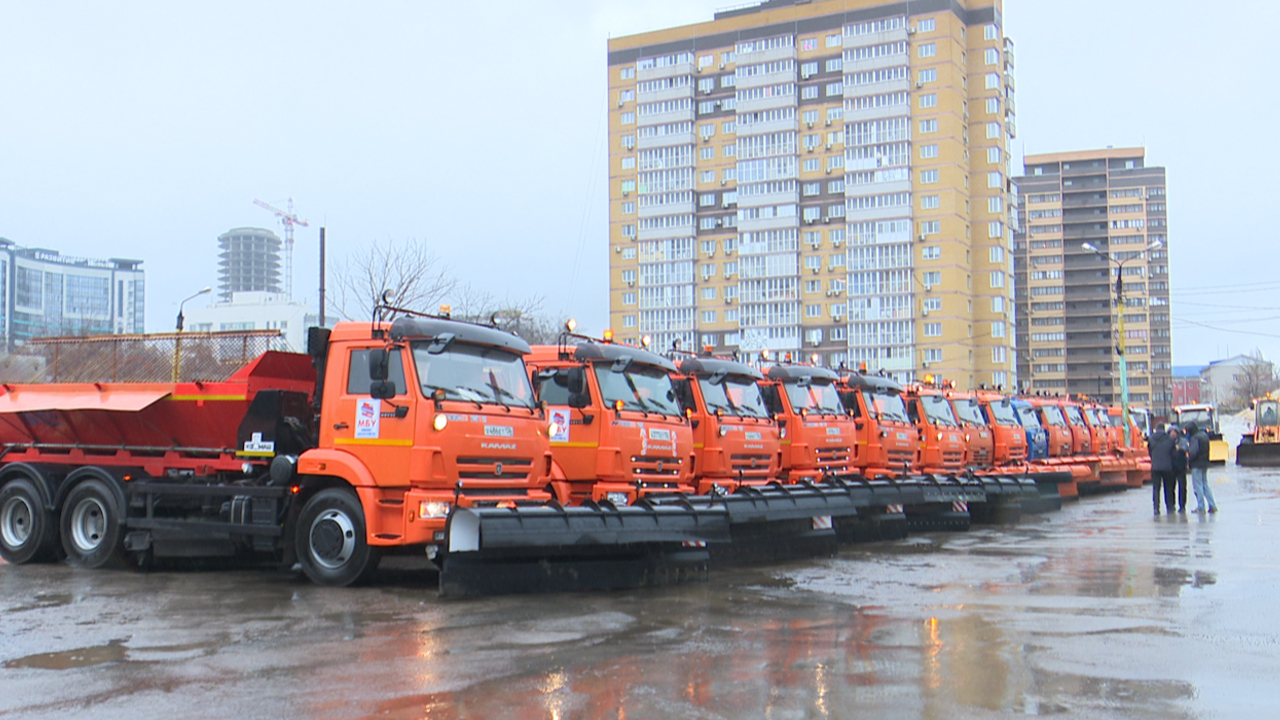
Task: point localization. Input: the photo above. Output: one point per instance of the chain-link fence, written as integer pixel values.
(201, 356)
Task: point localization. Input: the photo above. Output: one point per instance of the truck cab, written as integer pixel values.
(817, 435)
(1099, 423)
(621, 433)
(978, 436)
(735, 439)
(887, 441)
(422, 416)
(942, 445)
(1037, 436)
(1081, 437)
(1049, 413)
(1009, 438)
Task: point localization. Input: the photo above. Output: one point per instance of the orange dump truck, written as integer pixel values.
(621, 433)
(818, 435)
(735, 439)
(1009, 438)
(328, 461)
(888, 443)
(942, 445)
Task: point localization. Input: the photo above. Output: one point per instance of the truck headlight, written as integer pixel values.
(440, 422)
(433, 508)
(553, 429)
(723, 431)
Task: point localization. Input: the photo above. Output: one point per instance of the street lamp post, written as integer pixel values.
(1120, 307)
(177, 340)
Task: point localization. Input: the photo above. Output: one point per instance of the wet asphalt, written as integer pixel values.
(1101, 610)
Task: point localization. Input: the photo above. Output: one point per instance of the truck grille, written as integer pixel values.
(953, 459)
(833, 456)
(981, 457)
(649, 466)
(1017, 454)
(494, 468)
(750, 466)
(898, 458)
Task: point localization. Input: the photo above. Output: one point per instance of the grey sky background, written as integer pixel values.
(146, 129)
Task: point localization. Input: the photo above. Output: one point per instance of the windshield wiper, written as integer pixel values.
(497, 391)
(635, 392)
(475, 392)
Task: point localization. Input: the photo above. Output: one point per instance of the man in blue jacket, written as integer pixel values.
(1198, 460)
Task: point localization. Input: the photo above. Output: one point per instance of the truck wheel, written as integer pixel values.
(26, 530)
(331, 543)
(91, 531)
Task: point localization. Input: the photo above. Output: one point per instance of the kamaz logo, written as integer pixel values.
(498, 446)
(499, 431)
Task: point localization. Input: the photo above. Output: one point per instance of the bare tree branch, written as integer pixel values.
(416, 278)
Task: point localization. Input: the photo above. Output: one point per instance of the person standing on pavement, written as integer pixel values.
(1198, 460)
(1160, 446)
(1180, 466)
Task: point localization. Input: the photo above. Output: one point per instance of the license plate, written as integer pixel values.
(499, 431)
(659, 434)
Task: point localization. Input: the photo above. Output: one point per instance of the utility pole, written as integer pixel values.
(321, 276)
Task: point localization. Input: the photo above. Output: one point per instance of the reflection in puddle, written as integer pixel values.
(67, 659)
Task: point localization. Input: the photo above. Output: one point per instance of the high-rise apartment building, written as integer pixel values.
(827, 177)
(248, 261)
(1068, 318)
(45, 294)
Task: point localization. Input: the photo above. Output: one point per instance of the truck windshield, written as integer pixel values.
(888, 406)
(1268, 414)
(1002, 412)
(1027, 416)
(735, 395)
(1073, 415)
(474, 373)
(938, 410)
(1202, 417)
(968, 413)
(1095, 418)
(639, 387)
(817, 396)
(1053, 415)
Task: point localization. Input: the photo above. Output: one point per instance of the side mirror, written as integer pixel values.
(382, 389)
(576, 381)
(379, 364)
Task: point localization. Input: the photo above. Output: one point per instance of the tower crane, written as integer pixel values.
(288, 219)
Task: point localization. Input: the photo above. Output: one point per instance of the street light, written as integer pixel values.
(177, 340)
(1120, 306)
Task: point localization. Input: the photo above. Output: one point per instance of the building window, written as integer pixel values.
(813, 311)
(928, 151)
(993, 106)
(929, 100)
(931, 227)
(933, 329)
(628, 187)
(708, 316)
(834, 40)
(808, 92)
(933, 355)
(995, 180)
(991, 32)
(928, 126)
(993, 81)
(996, 254)
(995, 229)
(707, 153)
(927, 76)
(835, 65)
(628, 276)
(997, 304)
(628, 118)
(928, 50)
(930, 202)
(629, 253)
(629, 298)
(808, 44)
(628, 73)
(928, 176)
(628, 142)
(926, 25)
(992, 56)
(995, 204)
(629, 162)
(997, 329)
(931, 278)
(997, 279)
(932, 252)
(629, 321)
(993, 131)
(933, 304)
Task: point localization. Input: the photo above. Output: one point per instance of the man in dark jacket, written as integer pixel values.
(1198, 460)
(1180, 446)
(1160, 446)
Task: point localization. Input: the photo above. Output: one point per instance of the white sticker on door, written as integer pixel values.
(560, 417)
(368, 415)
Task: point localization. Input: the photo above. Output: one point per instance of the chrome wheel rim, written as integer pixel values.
(88, 525)
(332, 539)
(16, 518)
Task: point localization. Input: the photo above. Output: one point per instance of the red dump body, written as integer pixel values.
(188, 425)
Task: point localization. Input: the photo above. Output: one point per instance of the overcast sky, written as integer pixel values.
(146, 129)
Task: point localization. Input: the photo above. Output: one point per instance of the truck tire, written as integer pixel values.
(330, 540)
(90, 527)
(26, 527)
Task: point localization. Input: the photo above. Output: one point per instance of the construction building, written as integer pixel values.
(248, 261)
(44, 293)
(826, 178)
(1087, 219)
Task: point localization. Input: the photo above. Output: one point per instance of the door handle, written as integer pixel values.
(340, 426)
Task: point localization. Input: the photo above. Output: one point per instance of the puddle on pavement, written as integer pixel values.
(113, 651)
(45, 600)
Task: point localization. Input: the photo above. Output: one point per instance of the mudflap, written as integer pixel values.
(552, 548)
(594, 567)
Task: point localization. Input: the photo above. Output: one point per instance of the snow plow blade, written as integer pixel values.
(1258, 454)
(1009, 497)
(493, 551)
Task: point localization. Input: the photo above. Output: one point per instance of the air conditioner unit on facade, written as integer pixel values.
(621, 103)
(826, 219)
(922, 237)
(808, 124)
(911, 31)
(919, 85)
(828, 122)
(924, 312)
(724, 182)
(928, 287)
(722, 66)
(727, 274)
(631, 283)
(810, 148)
(725, 204)
(815, 270)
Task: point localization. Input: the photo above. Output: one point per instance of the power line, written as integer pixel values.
(1222, 329)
